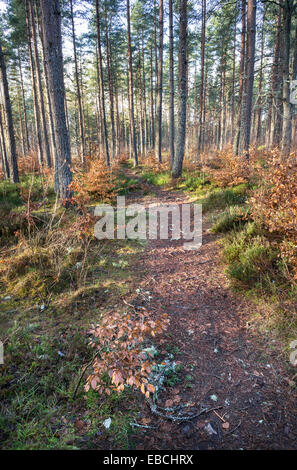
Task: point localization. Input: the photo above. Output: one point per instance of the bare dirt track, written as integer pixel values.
(230, 367)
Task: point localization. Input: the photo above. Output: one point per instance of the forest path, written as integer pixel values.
(225, 363)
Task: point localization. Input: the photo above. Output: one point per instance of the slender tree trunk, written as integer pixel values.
(287, 106)
(152, 102)
(233, 82)
(241, 77)
(78, 92)
(202, 76)
(51, 27)
(49, 105)
(144, 95)
(260, 109)
(110, 86)
(10, 141)
(118, 123)
(250, 63)
(34, 88)
(277, 83)
(158, 149)
(40, 96)
(5, 164)
(171, 85)
(130, 87)
(45, 141)
(24, 104)
(102, 83)
(182, 90)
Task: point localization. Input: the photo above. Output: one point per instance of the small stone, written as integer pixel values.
(210, 430)
(107, 423)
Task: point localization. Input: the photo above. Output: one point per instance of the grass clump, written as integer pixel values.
(158, 179)
(250, 256)
(196, 182)
(234, 218)
(219, 199)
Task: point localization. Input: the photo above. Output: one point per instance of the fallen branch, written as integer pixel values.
(142, 426)
(154, 409)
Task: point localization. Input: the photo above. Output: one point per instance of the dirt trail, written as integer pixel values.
(231, 367)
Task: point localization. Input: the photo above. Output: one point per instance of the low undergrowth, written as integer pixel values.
(56, 279)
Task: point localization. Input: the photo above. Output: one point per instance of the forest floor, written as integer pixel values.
(228, 384)
(224, 365)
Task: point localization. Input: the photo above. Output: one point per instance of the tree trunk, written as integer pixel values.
(287, 106)
(101, 83)
(8, 124)
(171, 85)
(79, 101)
(182, 91)
(110, 86)
(34, 88)
(24, 104)
(130, 87)
(241, 77)
(4, 160)
(277, 84)
(51, 27)
(45, 141)
(250, 63)
(202, 76)
(259, 110)
(158, 149)
(152, 101)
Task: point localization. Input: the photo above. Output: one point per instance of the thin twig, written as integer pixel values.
(83, 373)
(180, 418)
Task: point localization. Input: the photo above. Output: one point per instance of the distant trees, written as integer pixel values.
(147, 85)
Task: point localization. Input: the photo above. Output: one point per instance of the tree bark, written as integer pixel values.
(40, 97)
(250, 64)
(78, 92)
(202, 76)
(24, 104)
(241, 77)
(182, 90)
(37, 118)
(4, 160)
(287, 106)
(171, 85)
(158, 149)
(110, 86)
(51, 28)
(101, 83)
(130, 87)
(8, 124)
